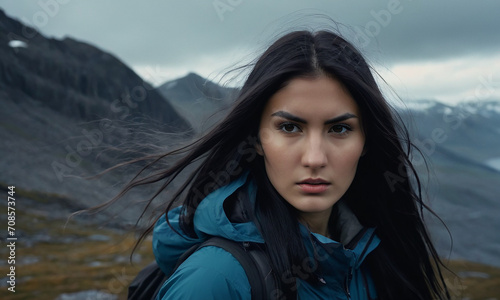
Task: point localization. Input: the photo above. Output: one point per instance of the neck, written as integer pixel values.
(316, 222)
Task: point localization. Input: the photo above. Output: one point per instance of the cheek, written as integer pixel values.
(265, 135)
(353, 156)
(274, 146)
(279, 162)
(277, 158)
(354, 149)
(347, 159)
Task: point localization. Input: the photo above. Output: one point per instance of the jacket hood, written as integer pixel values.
(223, 213)
(227, 212)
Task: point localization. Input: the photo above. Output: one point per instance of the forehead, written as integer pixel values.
(313, 96)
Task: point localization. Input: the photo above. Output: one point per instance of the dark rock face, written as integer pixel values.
(76, 79)
(64, 103)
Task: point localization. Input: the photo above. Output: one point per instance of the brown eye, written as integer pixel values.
(340, 129)
(289, 127)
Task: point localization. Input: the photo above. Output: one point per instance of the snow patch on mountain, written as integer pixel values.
(18, 44)
(494, 163)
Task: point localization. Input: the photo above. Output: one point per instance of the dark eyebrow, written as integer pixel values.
(294, 118)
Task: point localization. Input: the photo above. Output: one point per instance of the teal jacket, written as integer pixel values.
(213, 273)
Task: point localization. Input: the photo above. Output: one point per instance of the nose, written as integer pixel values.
(314, 155)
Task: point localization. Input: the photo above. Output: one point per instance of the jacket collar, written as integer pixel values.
(346, 226)
(227, 212)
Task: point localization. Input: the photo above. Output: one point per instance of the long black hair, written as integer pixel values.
(385, 193)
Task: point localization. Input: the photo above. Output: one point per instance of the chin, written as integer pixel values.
(315, 206)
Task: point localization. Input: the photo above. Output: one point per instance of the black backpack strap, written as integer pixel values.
(147, 283)
(254, 261)
(251, 257)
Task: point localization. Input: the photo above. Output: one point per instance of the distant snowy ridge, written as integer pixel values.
(485, 108)
(421, 105)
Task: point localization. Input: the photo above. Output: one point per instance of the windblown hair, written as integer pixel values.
(406, 264)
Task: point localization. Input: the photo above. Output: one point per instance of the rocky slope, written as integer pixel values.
(66, 105)
(459, 143)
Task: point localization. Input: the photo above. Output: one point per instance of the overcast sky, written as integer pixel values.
(443, 50)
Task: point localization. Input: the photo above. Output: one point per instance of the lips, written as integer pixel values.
(313, 185)
(314, 181)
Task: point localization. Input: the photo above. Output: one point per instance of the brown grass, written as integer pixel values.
(473, 286)
(76, 266)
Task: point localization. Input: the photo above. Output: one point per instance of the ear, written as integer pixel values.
(364, 151)
(258, 147)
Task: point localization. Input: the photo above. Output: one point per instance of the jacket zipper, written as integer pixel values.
(347, 281)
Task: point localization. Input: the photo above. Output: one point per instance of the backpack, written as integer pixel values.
(251, 256)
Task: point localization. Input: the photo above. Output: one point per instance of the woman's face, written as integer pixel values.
(311, 141)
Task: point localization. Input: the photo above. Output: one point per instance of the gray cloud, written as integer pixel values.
(182, 32)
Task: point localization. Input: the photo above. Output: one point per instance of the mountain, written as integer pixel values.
(202, 102)
(461, 144)
(65, 104)
(75, 79)
(470, 128)
(69, 107)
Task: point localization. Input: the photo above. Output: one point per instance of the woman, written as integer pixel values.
(311, 164)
